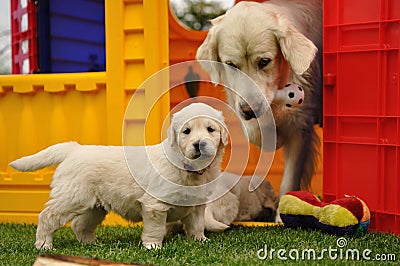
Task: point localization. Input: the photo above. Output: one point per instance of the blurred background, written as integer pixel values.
(196, 14)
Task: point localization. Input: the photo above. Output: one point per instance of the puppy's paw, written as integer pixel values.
(42, 245)
(278, 218)
(152, 245)
(217, 227)
(201, 238)
(86, 239)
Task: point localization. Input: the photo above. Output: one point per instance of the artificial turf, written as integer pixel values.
(238, 246)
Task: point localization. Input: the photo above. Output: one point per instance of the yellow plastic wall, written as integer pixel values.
(39, 110)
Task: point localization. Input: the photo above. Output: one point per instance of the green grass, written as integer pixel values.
(237, 246)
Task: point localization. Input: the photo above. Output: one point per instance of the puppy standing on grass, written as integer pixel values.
(274, 43)
(152, 184)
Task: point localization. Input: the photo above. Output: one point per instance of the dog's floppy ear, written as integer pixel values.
(297, 49)
(269, 203)
(224, 134)
(172, 137)
(208, 51)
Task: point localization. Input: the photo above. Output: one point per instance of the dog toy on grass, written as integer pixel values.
(292, 95)
(346, 216)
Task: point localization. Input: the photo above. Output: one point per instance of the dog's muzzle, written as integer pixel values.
(249, 112)
(201, 157)
(202, 149)
(199, 147)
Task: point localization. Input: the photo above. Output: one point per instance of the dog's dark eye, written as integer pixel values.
(263, 62)
(231, 64)
(187, 131)
(210, 129)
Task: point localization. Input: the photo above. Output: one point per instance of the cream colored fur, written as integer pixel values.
(241, 203)
(92, 180)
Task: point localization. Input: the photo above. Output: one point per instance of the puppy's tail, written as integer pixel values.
(213, 225)
(52, 155)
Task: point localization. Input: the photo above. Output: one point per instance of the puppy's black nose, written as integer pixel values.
(196, 145)
(199, 145)
(248, 112)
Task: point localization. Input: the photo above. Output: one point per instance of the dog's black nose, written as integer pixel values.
(248, 112)
(199, 145)
(196, 145)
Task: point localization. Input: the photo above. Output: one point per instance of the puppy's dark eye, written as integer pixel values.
(231, 64)
(187, 131)
(210, 129)
(263, 62)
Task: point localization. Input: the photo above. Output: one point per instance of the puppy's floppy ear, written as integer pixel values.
(297, 49)
(269, 203)
(172, 136)
(224, 134)
(208, 51)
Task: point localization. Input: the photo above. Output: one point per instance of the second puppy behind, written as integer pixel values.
(236, 201)
(241, 204)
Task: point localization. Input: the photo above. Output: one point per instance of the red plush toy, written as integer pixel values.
(349, 215)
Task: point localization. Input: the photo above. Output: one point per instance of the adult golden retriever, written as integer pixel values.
(274, 43)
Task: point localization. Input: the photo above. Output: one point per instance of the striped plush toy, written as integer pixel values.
(349, 215)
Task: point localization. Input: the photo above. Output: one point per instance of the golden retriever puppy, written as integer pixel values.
(274, 43)
(154, 184)
(241, 202)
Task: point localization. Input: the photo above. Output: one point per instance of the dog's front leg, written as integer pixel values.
(194, 224)
(291, 179)
(300, 154)
(154, 227)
